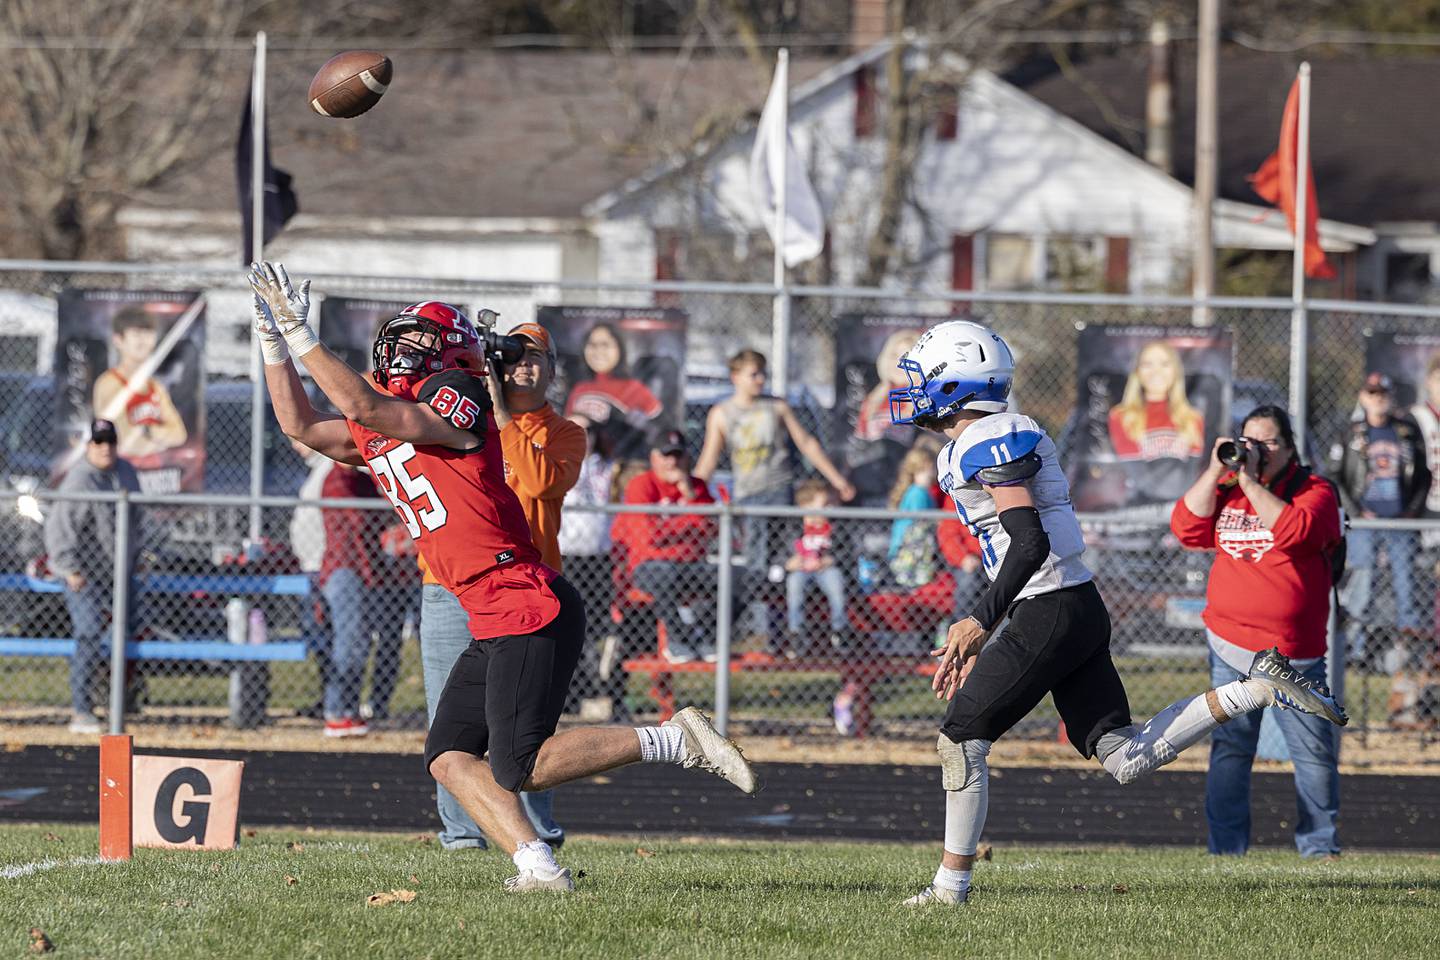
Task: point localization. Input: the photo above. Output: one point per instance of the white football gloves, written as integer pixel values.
(281, 310)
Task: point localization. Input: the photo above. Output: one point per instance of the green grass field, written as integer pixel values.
(677, 899)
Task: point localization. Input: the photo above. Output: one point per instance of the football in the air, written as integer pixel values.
(350, 83)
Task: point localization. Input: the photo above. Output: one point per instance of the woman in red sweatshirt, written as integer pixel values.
(1272, 525)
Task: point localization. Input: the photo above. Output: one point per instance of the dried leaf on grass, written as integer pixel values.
(250, 833)
(384, 899)
(986, 852)
(422, 838)
(294, 847)
(642, 852)
(52, 838)
(414, 879)
(291, 881)
(1120, 888)
(39, 943)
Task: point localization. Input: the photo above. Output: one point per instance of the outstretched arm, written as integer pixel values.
(287, 309)
(811, 449)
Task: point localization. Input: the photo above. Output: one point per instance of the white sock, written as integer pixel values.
(952, 879)
(1241, 696)
(664, 744)
(535, 856)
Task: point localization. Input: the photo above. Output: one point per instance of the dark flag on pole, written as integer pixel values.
(280, 202)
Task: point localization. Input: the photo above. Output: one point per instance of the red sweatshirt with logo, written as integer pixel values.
(1268, 588)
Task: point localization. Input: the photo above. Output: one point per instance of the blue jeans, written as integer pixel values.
(1314, 745)
(1360, 549)
(831, 583)
(444, 635)
(755, 545)
(346, 601)
(89, 616)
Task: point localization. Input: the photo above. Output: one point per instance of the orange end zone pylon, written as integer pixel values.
(116, 825)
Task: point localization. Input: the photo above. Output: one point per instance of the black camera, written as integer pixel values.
(1236, 453)
(501, 350)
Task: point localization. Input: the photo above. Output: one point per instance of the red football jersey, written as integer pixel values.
(464, 518)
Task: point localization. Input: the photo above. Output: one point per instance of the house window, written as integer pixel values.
(1009, 262)
(1074, 264)
(864, 103)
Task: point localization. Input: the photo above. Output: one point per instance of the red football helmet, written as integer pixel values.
(422, 339)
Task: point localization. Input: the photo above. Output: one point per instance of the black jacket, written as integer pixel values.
(1351, 468)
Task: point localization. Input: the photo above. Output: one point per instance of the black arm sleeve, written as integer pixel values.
(1011, 473)
(461, 398)
(1029, 546)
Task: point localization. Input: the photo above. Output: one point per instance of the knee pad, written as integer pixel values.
(1127, 756)
(962, 764)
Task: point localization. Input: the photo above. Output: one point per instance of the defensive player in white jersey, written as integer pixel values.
(1001, 470)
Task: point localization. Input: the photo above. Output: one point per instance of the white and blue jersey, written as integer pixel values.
(998, 439)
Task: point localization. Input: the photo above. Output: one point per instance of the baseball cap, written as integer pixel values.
(103, 431)
(537, 335)
(668, 441)
(1378, 382)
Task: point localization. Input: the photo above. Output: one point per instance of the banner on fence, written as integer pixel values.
(620, 368)
(348, 326)
(135, 357)
(1151, 401)
(868, 347)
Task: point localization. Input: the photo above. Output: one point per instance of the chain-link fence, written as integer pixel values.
(839, 350)
(825, 617)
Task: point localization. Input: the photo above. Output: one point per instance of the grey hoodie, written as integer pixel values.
(79, 534)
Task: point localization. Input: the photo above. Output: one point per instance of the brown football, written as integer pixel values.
(350, 83)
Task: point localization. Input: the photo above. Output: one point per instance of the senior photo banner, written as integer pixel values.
(348, 326)
(868, 347)
(1151, 402)
(622, 369)
(134, 357)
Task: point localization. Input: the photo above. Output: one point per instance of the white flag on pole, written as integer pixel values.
(778, 179)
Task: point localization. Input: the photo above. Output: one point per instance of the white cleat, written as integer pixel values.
(707, 749)
(531, 881)
(933, 896)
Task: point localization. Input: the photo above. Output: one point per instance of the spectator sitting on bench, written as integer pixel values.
(813, 562)
(80, 542)
(665, 555)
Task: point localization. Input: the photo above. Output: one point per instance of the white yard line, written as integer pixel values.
(26, 869)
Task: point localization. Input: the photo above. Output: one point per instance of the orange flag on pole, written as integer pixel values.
(1275, 182)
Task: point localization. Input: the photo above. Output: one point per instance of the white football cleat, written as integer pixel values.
(531, 881)
(707, 749)
(933, 896)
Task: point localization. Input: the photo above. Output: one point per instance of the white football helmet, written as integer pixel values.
(955, 365)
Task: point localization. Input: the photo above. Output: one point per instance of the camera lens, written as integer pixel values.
(1231, 454)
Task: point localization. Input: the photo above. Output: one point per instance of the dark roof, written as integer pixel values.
(1374, 128)
(485, 134)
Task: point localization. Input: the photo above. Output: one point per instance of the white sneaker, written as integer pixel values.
(933, 896)
(85, 723)
(530, 881)
(707, 749)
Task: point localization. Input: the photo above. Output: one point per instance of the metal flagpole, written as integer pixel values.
(257, 247)
(1299, 319)
(780, 320)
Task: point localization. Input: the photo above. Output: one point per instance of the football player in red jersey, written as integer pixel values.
(424, 428)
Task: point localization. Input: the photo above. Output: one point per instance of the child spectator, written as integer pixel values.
(813, 561)
(913, 555)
